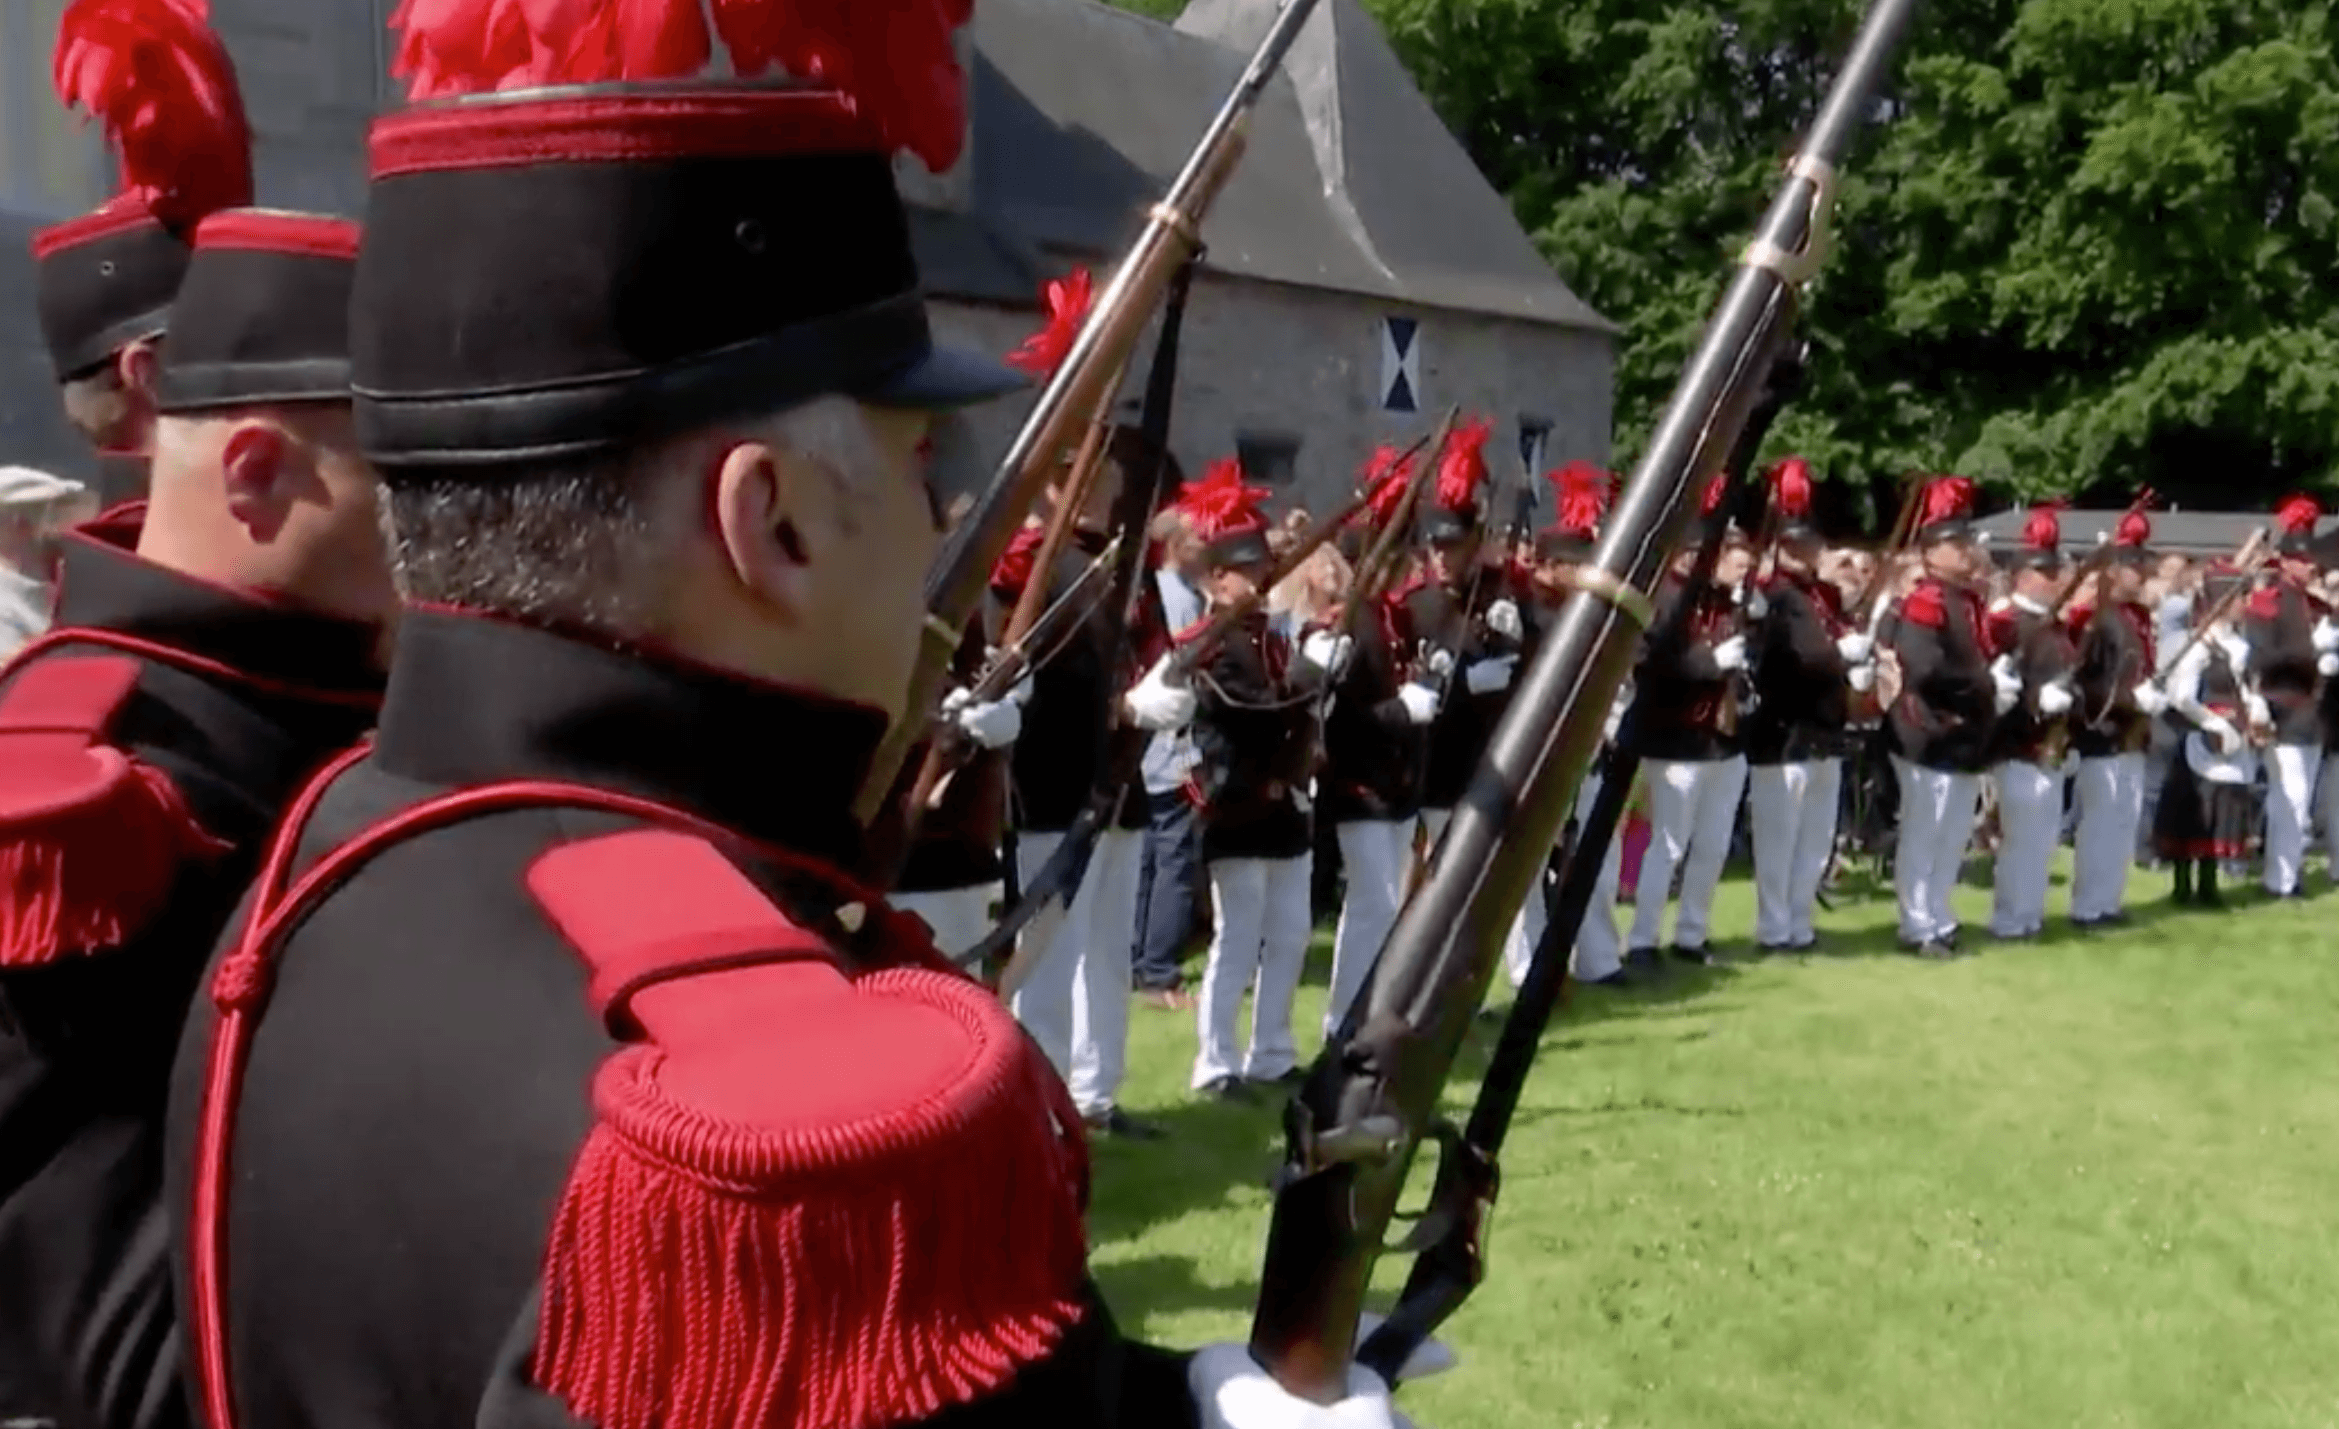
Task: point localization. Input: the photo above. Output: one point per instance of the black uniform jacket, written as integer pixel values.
(1803, 700)
(2115, 655)
(1948, 703)
(87, 1332)
(1432, 616)
(1373, 751)
(958, 840)
(2043, 654)
(416, 1093)
(1683, 703)
(1256, 732)
(2280, 626)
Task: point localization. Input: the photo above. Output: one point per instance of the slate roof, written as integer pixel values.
(2187, 533)
(1082, 114)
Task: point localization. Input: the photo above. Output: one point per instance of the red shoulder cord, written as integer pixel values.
(247, 976)
(187, 660)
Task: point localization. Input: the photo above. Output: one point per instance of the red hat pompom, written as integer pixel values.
(2043, 531)
(1790, 484)
(2297, 515)
(1219, 502)
(1583, 491)
(1386, 473)
(153, 73)
(1462, 465)
(2134, 530)
(1067, 300)
(1948, 498)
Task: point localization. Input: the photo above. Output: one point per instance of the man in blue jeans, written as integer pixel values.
(1167, 878)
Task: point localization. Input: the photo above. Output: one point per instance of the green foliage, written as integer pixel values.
(2091, 243)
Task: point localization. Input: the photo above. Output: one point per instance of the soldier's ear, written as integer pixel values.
(254, 467)
(136, 365)
(766, 523)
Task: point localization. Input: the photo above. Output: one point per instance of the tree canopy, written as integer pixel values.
(2089, 245)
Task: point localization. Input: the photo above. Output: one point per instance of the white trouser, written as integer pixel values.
(2110, 795)
(1075, 1002)
(1793, 807)
(2329, 804)
(1373, 858)
(2291, 775)
(1262, 937)
(2030, 818)
(1693, 805)
(1936, 819)
(959, 916)
(1526, 929)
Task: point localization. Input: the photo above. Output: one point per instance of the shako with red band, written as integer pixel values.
(2132, 538)
(1227, 515)
(1454, 509)
(162, 85)
(1945, 512)
(263, 318)
(2041, 548)
(2295, 521)
(1580, 490)
(1791, 496)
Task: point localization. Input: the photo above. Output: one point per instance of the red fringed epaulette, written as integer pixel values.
(2265, 603)
(811, 1199)
(1925, 606)
(2078, 618)
(91, 840)
(2000, 630)
(1017, 562)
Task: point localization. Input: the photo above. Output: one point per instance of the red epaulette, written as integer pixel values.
(91, 839)
(1999, 632)
(1017, 562)
(1924, 605)
(2077, 618)
(812, 1197)
(2265, 603)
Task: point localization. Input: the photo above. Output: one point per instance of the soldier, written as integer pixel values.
(1951, 692)
(1684, 725)
(2291, 637)
(2204, 816)
(211, 650)
(1805, 656)
(1369, 788)
(953, 872)
(2117, 700)
(2026, 747)
(585, 1086)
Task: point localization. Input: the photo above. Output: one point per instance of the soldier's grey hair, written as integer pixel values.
(591, 543)
(97, 403)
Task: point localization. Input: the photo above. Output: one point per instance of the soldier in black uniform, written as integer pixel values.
(576, 1082)
(1804, 653)
(1950, 696)
(104, 281)
(211, 651)
(2117, 701)
(2291, 638)
(2027, 742)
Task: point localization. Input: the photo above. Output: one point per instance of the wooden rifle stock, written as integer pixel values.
(1371, 1098)
(1172, 234)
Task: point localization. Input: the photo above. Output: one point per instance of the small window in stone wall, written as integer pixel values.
(1400, 364)
(1269, 458)
(1534, 442)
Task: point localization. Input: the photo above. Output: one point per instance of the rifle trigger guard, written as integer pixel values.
(1797, 267)
(1459, 1200)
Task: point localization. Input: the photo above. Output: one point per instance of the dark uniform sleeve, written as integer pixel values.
(1793, 625)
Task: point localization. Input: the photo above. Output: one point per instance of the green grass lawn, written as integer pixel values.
(2085, 1181)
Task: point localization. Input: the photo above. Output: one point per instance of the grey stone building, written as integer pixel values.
(1360, 276)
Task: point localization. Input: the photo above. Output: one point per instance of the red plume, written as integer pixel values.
(1386, 474)
(1947, 498)
(1583, 491)
(1711, 500)
(158, 79)
(2135, 529)
(1219, 502)
(896, 61)
(1462, 465)
(1067, 300)
(1790, 485)
(2043, 530)
(2297, 515)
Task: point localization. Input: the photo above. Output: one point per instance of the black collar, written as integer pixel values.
(475, 700)
(104, 585)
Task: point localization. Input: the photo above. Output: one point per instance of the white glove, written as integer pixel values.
(2327, 664)
(2002, 669)
(1440, 664)
(2326, 636)
(991, 725)
(2007, 686)
(1731, 654)
(1862, 679)
(2054, 699)
(2222, 734)
(2149, 697)
(1502, 618)
(1420, 701)
(1757, 604)
(1156, 704)
(1486, 677)
(1327, 652)
(2261, 714)
(1855, 648)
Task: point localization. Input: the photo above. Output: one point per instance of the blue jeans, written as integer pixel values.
(1165, 890)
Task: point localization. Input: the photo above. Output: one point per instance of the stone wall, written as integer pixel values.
(1265, 359)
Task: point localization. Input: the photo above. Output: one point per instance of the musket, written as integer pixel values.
(1172, 235)
(1371, 1098)
(2246, 562)
(2096, 560)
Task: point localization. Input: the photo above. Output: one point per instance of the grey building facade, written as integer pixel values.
(1360, 274)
